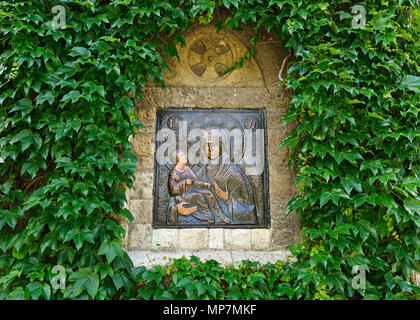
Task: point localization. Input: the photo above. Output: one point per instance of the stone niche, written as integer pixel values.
(197, 83)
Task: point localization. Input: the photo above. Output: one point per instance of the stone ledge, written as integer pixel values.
(224, 257)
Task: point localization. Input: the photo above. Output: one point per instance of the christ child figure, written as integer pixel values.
(188, 190)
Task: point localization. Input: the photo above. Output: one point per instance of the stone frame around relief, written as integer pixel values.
(263, 211)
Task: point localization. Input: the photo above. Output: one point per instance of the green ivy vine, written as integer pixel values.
(65, 159)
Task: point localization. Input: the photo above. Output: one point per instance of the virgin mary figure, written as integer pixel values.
(229, 186)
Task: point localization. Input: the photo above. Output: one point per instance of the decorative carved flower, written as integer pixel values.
(210, 57)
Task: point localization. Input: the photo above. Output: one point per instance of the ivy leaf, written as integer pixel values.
(80, 51)
(411, 83)
(92, 285)
(73, 95)
(111, 250)
(302, 12)
(24, 105)
(266, 21)
(79, 236)
(85, 279)
(45, 96)
(11, 216)
(412, 206)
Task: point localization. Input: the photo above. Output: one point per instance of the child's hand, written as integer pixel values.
(207, 185)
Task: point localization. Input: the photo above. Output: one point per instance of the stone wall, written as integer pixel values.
(255, 86)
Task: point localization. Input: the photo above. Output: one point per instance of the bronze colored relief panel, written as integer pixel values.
(210, 169)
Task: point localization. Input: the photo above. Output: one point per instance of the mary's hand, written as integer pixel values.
(186, 211)
(224, 195)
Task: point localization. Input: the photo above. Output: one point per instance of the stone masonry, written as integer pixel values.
(255, 86)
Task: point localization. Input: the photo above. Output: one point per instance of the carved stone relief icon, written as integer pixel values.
(217, 190)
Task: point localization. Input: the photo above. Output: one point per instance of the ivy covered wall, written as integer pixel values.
(66, 160)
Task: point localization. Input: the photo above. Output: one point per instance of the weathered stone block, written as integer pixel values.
(144, 183)
(193, 239)
(237, 239)
(144, 179)
(144, 164)
(141, 210)
(146, 192)
(134, 192)
(140, 237)
(164, 238)
(260, 239)
(282, 185)
(142, 187)
(146, 112)
(216, 239)
(281, 237)
(143, 145)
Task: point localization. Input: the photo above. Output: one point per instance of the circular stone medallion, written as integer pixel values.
(209, 56)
